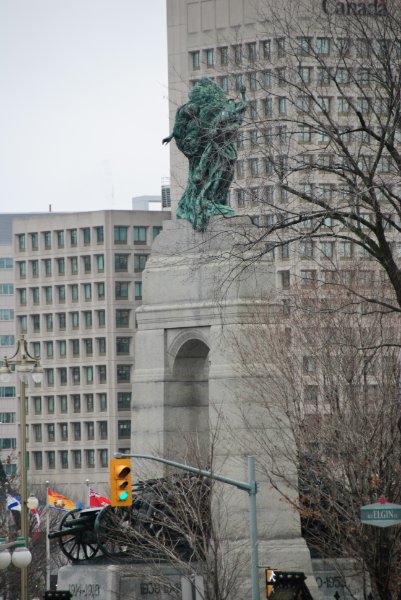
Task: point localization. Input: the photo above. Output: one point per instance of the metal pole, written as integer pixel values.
(250, 486)
(253, 528)
(47, 538)
(24, 489)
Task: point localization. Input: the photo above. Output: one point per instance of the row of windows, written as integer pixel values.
(312, 277)
(84, 236)
(7, 391)
(123, 290)
(7, 417)
(57, 266)
(85, 375)
(73, 348)
(69, 459)
(46, 240)
(77, 403)
(6, 314)
(58, 321)
(7, 340)
(301, 46)
(75, 431)
(6, 289)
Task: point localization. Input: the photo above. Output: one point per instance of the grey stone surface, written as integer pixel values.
(186, 382)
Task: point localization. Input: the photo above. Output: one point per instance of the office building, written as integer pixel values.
(77, 285)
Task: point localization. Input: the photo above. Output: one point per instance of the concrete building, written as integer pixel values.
(77, 284)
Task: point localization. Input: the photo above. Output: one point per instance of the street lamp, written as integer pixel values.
(25, 366)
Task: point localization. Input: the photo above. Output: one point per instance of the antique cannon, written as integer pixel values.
(135, 532)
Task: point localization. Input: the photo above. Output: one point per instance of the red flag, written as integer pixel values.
(96, 499)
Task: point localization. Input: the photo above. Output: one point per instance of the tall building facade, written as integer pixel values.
(78, 280)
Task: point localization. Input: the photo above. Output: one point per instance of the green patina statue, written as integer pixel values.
(204, 131)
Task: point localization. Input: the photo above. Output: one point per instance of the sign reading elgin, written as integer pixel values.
(377, 8)
(381, 514)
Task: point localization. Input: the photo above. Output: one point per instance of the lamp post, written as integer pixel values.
(25, 366)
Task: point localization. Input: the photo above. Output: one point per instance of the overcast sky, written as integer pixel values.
(83, 103)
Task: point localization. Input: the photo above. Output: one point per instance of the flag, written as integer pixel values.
(35, 513)
(96, 499)
(13, 503)
(55, 500)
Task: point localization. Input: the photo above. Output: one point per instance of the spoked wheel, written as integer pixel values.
(114, 531)
(76, 543)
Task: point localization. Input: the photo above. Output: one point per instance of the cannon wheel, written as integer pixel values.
(76, 546)
(112, 529)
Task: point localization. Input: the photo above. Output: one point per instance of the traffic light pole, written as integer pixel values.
(249, 486)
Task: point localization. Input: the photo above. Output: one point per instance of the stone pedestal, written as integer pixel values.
(187, 386)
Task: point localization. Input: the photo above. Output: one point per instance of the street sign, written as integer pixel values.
(381, 514)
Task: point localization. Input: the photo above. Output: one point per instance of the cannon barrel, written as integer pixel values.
(70, 531)
(85, 521)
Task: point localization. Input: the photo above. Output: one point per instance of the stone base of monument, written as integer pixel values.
(127, 582)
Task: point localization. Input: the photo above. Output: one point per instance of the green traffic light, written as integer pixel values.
(123, 495)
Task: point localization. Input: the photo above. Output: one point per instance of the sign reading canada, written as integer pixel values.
(377, 8)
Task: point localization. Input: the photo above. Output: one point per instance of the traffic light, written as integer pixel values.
(120, 482)
(271, 577)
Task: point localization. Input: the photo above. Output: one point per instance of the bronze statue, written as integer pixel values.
(205, 130)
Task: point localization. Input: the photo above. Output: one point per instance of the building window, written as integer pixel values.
(209, 57)
(124, 429)
(87, 314)
(195, 60)
(47, 237)
(223, 56)
(254, 167)
(123, 373)
(87, 264)
(104, 458)
(121, 290)
(73, 265)
(63, 432)
(37, 461)
(50, 404)
(21, 242)
(103, 430)
(49, 349)
(60, 239)
(48, 267)
(75, 375)
(102, 373)
(280, 47)
(121, 263)
(60, 266)
(120, 234)
(237, 54)
(122, 318)
(309, 364)
(49, 377)
(64, 459)
(75, 320)
(88, 343)
(87, 291)
(102, 402)
(311, 397)
(22, 269)
(34, 241)
(75, 347)
(140, 235)
(89, 402)
(88, 375)
(37, 432)
(73, 238)
(240, 198)
(90, 459)
(101, 318)
(77, 458)
(90, 430)
(62, 375)
(99, 234)
(138, 290)
(61, 321)
(51, 459)
(285, 279)
(344, 249)
(140, 262)
(303, 45)
(322, 45)
(123, 345)
(251, 47)
(100, 263)
(51, 432)
(101, 345)
(240, 169)
(7, 314)
(63, 404)
(101, 294)
(49, 294)
(282, 105)
(323, 76)
(76, 403)
(266, 49)
(123, 400)
(308, 278)
(76, 431)
(86, 235)
(156, 230)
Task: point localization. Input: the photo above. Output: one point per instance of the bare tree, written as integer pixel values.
(325, 384)
(319, 158)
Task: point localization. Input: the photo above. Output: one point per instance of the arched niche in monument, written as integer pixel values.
(186, 406)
